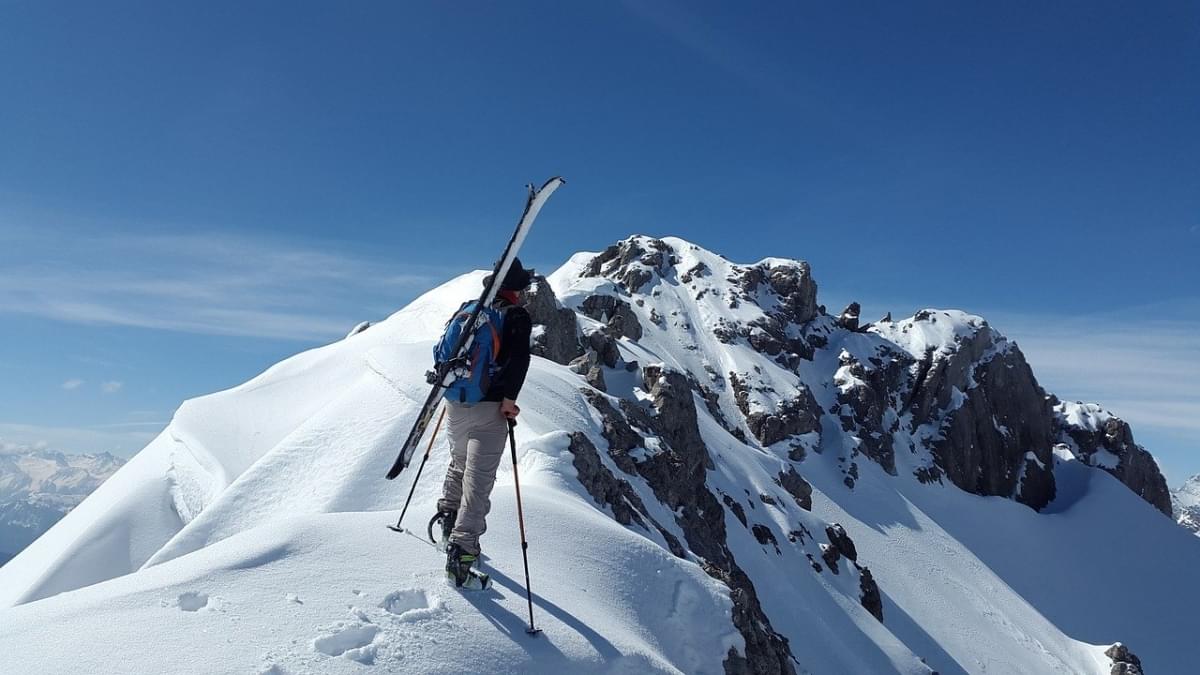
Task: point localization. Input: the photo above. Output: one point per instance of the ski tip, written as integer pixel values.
(395, 471)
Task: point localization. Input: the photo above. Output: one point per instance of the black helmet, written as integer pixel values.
(517, 279)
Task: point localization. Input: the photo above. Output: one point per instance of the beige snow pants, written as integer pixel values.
(477, 437)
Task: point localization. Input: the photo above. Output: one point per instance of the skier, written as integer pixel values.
(478, 432)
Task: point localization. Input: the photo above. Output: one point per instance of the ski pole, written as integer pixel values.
(420, 468)
(512, 444)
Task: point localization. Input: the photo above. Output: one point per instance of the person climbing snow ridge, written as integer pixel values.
(479, 408)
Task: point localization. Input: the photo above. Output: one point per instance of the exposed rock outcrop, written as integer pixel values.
(797, 487)
(617, 315)
(615, 493)
(792, 290)
(870, 597)
(588, 366)
(558, 336)
(676, 472)
(841, 541)
(848, 319)
(697, 271)
(867, 393)
(991, 413)
(797, 415)
(633, 262)
(621, 437)
(1124, 662)
(1101, 439)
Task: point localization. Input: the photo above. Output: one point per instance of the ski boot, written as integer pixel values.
(460, 569)
(446, 518)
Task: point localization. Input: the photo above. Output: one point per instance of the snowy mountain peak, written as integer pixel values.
(941, 331)
(1185, 504)
(1188, 494)
(719, 476)
(639, 264)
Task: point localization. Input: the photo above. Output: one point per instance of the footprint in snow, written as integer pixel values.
(351, 640)
(192, 601)
(411, 604)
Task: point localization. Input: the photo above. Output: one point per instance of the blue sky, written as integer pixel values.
(190, 192)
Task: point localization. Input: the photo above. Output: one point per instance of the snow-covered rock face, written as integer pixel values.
(943, 391)
(1185, 504)
(974, 402)
(1103, 440)
(719, 477)
(37, 488)
(939, 395)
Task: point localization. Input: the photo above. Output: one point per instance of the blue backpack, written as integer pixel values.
(479, 365)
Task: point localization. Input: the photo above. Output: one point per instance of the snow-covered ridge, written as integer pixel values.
(719, 476)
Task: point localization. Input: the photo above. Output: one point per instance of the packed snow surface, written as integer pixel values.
(250, 536)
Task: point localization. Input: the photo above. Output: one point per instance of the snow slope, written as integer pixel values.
(331, 593)
(245, 481)
(250, 535)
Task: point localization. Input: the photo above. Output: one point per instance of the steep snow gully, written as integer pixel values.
(719, 476)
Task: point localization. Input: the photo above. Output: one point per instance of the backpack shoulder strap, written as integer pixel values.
(458, 312)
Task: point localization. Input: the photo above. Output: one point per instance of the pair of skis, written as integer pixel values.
(444, 376)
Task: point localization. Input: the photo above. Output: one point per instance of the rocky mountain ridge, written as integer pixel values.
(943, 385)
(941, 395)
(740, 481)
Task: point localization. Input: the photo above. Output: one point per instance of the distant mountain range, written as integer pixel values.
(39, 487)
(1185, 503)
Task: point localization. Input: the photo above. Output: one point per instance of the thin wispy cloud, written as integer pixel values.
(16, 438)
(1142, 358)
(208, 283)
(72, 384)
(11, 448)
(111, 387)
(1140, 363)
(132, 425)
